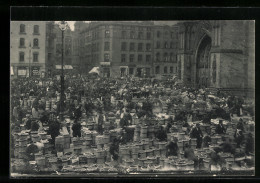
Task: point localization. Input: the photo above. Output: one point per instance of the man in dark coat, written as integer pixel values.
(172, 148)
(114, 149)
(249, 144)
(76, 127)
(190, 155)
(220, 129)
(197, 133)
(31, 150)
(77, 112)
(239, 137)
(54, 129)
(100, 124)
(161, 134)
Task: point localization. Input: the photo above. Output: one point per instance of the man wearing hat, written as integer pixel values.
(197, 133)
(220, 129)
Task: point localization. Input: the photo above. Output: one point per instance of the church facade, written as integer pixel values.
(217, 54)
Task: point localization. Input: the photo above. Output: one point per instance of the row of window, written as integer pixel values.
(134, 28)
(140, 46)
(166, 57)
(165, 45)
(133, 48)
(35, 42)
(67, 49)
(132, 35)
(22, 57)
(148, 58)
(165, 70)
(35, 29)
(166, 34)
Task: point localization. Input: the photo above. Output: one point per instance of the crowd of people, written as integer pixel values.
(121, 97)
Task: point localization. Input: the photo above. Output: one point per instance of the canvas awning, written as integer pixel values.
(64, 67)
(94, 70)
(12, 71)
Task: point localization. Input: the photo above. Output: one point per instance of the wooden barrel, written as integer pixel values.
(35, 138)
(148, 163)
(88, 141)
(162, 145)
(22, 142)
(59, 140)
(53, 162)
(144, 129)
(142, 154)
(16, 151)
(43, 135)
(146, 145)
(128, 162)
(149, 152)
(100, 160)
(77, 150)
(163, 152)
(99, 139)
(141, 161)
(135, 155)
(40, 161)
(136, 136)
(91, 159)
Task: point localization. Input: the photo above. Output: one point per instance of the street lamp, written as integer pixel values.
(63, 26)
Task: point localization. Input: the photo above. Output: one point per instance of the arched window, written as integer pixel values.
(35, 42)
(22, 28)
(165, 70)
(157, 70)
(36, 29)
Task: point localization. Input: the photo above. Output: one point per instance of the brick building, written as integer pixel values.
(127, 48)
(217, 54)
(27, 48)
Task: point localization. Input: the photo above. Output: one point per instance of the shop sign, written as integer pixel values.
(21, 71)
(105, 63)
(35, 71)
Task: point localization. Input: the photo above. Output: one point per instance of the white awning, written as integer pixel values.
(94, 70)
(64, 67)
(12, 71)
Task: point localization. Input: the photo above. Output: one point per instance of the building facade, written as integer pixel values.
(27, 48)
(217, 54)
(165, 50)
(127, 48)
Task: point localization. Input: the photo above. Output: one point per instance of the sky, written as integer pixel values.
(71, 23)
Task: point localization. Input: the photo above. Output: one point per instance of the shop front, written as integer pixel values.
(105, 69)
(123, 71)
(35, 72)
(22, 71)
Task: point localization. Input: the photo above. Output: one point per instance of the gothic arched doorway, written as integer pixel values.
(203, 62)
